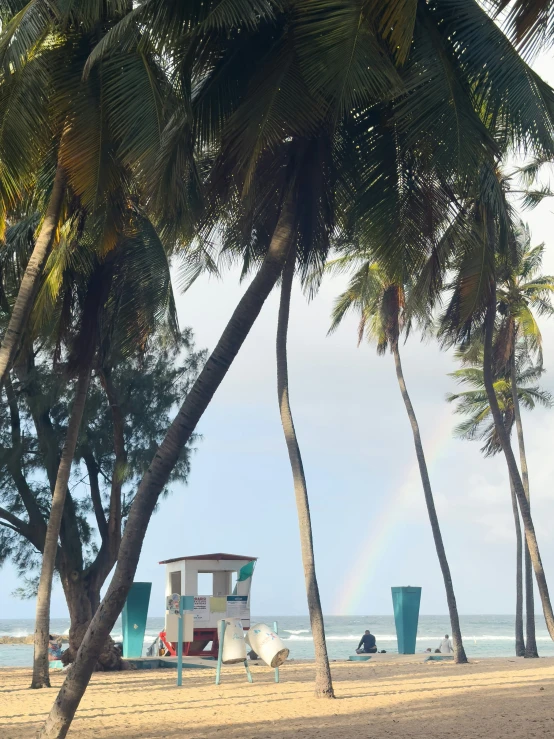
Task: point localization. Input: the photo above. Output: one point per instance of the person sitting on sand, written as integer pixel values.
(446, 645)
(54, 649)
(368, 640)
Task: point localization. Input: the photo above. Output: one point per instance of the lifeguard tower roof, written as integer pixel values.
(217, 556)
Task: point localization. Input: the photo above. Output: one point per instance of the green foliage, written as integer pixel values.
(521, 293)
(103, 129)
(379, 301)
(529, 22)
(473, 403)
(149, 385)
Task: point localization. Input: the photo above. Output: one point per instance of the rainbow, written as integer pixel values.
(389, 518)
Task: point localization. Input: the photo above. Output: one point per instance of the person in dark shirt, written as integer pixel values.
(368, 640)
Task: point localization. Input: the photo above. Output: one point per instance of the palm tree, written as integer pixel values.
(29, 285)
(323, 683)
(80, 362)
(41, 677)
(268, 77)
(97, 135)
(529, 22)
(64, 139)
(521, 292)
(122, 300)
(380, 303)
(480, 426)
(486, 235)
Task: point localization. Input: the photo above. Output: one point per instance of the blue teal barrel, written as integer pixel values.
(406, 602)
(135, 612)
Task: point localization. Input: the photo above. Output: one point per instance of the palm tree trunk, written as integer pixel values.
(523, 503)
(459, 652)
(531, 641)
(323, 682)
(520, 642)
(155, 479)
(41, 677)
(30, 282)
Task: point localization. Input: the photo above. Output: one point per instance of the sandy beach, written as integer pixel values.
(490, 698)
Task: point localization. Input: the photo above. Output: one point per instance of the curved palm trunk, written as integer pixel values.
(323, 682)
(523, 503)
(531, 642)
(459, 652)
(153, 482)
(41, 677)
(520, 642)
(30, 282)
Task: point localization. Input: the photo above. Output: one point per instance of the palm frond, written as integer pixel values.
(341, 56)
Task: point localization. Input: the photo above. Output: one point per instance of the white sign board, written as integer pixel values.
(201, 608)
(172, 603)
(237, 607)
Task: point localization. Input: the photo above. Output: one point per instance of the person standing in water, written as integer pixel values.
(446, 645)
(368, 640)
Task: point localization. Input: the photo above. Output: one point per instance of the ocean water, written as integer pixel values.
(484, 636)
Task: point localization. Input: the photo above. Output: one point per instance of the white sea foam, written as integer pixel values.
(298, 631)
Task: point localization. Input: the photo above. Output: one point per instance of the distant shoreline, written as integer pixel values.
(27, 639)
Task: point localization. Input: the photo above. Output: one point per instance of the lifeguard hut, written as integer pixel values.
(231, 579)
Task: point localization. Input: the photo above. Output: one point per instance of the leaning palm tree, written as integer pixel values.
(479, 425)
(486, 241)
(522, 294)
(380, 303)
(120, 300)
(324, 686)
(63, 138)
(41, 677)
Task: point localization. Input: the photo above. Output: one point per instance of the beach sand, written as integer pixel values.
(492, 698)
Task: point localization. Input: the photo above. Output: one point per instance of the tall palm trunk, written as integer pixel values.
(459, 652)
(531, 642)
(523, 503)
(520, 642)
(30, 282)
(155, 479)
(323, 682)
(41, 677)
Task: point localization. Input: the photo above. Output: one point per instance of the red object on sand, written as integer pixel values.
(196, 648)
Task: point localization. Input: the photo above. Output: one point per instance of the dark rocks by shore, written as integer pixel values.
(29, 639)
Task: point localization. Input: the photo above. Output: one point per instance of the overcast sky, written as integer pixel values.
(369, 518)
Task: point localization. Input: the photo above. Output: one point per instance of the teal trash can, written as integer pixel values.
(135, 612)
(406, 602)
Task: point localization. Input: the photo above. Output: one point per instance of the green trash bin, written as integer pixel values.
(135, 612)
(405, 601)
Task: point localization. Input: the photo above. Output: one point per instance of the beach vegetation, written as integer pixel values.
(380, 303)
(523, 295)
(264, 132)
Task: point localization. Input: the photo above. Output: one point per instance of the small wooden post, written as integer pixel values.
(180, 644)
(221, 636)
(276, 630)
